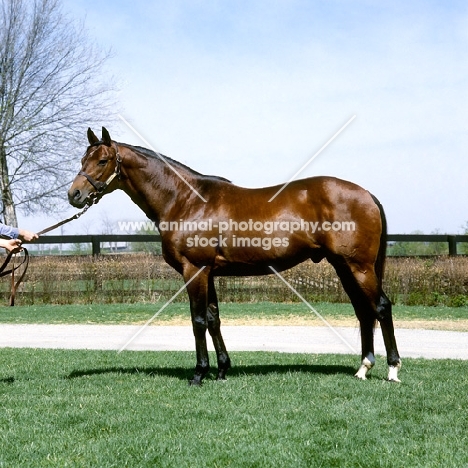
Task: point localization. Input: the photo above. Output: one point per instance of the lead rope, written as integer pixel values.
(14, 285)
(93, 199)
(12, 256)
(25, 262)
(71, 218)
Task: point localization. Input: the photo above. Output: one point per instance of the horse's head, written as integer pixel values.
(99, 166)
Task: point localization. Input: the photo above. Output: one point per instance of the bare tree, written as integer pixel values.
(52, 87)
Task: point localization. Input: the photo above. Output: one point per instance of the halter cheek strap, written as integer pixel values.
(101, 186)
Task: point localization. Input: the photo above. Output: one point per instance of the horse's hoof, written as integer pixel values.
(360, 377)
(393, 373)
(395, 379)
(361, 373)
(221, 375)
(195, 383)
(366, 366)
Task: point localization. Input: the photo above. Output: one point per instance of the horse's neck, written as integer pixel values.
(155, 187)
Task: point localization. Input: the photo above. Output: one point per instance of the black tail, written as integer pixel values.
(380, 262)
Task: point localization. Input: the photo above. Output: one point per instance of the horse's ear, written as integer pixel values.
(92, 138)
(106, 139)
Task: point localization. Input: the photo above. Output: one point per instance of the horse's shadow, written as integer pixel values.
(184, 373)
(7, 380)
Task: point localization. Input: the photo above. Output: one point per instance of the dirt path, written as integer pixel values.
(290, 338)
(454, 325)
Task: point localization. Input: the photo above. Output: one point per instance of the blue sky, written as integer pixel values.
(250, 90)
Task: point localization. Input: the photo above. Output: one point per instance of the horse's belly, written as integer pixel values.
(258, 267)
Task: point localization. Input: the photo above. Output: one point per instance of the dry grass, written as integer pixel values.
(312, 321)
(147, 278)
(436, 281)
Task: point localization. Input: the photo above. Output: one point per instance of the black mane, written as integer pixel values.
(152, 154)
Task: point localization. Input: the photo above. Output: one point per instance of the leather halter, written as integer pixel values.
(101, 186)
(94, 197)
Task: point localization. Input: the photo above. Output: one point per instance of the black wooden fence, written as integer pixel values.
(96, 240)
(451, 239)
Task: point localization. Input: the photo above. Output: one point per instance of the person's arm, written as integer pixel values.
(15, 233)
(9, 231)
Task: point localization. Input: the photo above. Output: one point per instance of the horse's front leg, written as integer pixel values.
(197, 288)
(214, 327)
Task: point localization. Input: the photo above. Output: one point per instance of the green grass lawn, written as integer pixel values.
(104, 409)
(138, 313)
(99, 408)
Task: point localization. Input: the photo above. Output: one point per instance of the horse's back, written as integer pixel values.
(321, 198)
(310, 218)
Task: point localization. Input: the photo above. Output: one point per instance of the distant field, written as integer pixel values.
(104, 409)
(264, 313)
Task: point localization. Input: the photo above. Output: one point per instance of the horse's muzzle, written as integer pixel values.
(77, 198)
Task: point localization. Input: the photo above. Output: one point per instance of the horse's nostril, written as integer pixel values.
(76, 194)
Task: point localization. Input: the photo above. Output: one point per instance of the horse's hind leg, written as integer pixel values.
(362, 286)
(364, 313)
(384, 316)
(214, 328)
(367, 323)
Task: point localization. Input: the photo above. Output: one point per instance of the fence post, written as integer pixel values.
(452, 246)
(96, 245)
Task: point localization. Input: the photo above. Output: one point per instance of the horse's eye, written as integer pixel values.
(102, 162)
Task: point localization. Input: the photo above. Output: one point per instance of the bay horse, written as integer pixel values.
(211, 227)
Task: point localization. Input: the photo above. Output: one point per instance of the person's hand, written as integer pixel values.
(11, 245)
(27, 236)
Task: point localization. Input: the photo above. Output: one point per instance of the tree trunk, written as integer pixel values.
(9, 211)
(8, 206)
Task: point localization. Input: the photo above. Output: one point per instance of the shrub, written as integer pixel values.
(147, 278)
